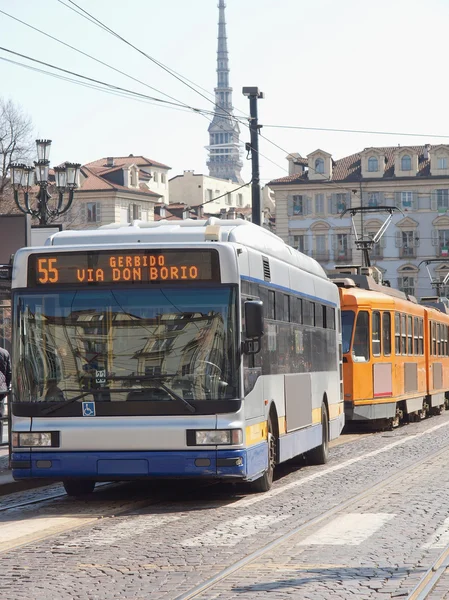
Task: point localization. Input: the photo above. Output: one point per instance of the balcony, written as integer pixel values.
(406, 252)
(344, 257)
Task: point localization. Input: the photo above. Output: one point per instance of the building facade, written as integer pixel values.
(415, 179)
(224, 134)
(117, 190)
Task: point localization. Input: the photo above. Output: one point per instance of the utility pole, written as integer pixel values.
(254, 94)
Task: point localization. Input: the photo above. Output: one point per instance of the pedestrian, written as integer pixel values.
(5, 373)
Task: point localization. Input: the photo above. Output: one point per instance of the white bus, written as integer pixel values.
(202, 349)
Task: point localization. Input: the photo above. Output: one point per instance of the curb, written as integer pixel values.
(9, 486)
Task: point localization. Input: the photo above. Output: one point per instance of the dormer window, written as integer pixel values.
(319, 165)
(373, 164)
(442, 162)
(406, 163)
(133, 178)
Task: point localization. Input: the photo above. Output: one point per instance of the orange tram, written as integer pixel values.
(395, 354)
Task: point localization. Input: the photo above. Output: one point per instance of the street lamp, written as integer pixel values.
(23, 178)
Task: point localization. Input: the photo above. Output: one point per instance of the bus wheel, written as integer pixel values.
(79, 487)
(319, 455)
(264, 483)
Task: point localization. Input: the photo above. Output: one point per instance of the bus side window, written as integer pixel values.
(286, 308)
(319, 315)
(330, 317)
(360, 349)
(376, 334)
(386, 333)
(271, 304)
(308, 312)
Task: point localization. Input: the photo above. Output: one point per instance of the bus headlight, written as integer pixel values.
(37, 439)
(217, 437)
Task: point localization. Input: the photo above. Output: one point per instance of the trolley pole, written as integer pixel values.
(254, 94)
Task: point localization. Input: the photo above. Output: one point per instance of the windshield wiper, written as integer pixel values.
(159, 380)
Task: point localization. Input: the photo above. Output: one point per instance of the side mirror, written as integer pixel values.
(254, 324)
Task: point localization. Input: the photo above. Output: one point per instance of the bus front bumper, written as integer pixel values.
(243, 464)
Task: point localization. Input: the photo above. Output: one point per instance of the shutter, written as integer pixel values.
(383, 241)
(433, 202)
(130, 213)
(306, 243)
(416, 240)
(415, 201)
(435, 237)
(381, 199)
(398, 239)
(307, 205)
(334, 208)
(83, 213)
(98, 208)
(329, 204)
(348, 200)
(290, 240)
(400, 282)
(290, 206)
(398, 199)
(139, 212)
(334, 242)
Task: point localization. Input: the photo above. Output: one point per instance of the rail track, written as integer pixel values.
(428, 581)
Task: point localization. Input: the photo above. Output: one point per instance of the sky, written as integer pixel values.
(347, 64)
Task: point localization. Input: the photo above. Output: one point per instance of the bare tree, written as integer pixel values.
(16, 144)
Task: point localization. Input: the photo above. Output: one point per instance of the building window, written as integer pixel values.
(228, 199)
(442, 162)
(133, 178)
(373, 164)
(407, 200)
(134, 212)
(163, 178)
(406, 163)
(408, 244)
(338, 203)
(209, 195)
(299, 242)
(93, 212)
(321, 247)
(155, 177)
(319, 204)
(442, 199)
(319, 165)
(298, 205)
(373, 199)
(341, 246)
(239, 199)
(443, 242)
(407, 285)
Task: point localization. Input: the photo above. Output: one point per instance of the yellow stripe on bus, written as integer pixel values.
(256, 433)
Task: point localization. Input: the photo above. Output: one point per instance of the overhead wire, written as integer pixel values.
(361, 131)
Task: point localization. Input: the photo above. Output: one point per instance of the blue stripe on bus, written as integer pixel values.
(243, 464)
(286, 289)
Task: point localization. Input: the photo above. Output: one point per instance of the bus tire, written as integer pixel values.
(320, 454)
(264, 483)
(78, 487)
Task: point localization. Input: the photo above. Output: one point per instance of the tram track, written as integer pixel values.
(430, 578)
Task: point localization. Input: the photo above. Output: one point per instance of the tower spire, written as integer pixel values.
(224, 144)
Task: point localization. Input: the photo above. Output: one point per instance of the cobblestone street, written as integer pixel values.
(160, 540)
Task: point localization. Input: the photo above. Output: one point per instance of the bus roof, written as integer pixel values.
(191, 231)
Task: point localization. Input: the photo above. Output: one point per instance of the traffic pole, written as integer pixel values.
(254, 94)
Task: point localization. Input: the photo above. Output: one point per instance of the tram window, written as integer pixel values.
(286, 307)
(404, 334)
(397, 331)
(386, 333)
(360, 350)
(440, 340)
(376, 334)
(271, 304)
(319, 315)
(330, 317)
(447, 339)
(347, 324)
(308, 312)
(421, 337)
(415, 336)
(410, 335)
(434, 339)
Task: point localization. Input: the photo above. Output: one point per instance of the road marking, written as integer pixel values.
(348, 530)
(232, 532)
(250, 500)
(20, 532)
(440, 539)
(126, 529)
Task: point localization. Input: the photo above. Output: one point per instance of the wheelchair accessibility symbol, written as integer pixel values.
(88, 409)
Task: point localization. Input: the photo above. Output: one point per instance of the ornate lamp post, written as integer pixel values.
(24, 177)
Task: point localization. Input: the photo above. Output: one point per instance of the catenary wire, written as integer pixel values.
(361, 131)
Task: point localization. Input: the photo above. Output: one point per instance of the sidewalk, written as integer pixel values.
(7, 483)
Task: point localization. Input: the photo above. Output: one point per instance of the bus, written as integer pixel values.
(201, 349)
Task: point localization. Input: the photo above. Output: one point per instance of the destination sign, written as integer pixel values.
(136, 267)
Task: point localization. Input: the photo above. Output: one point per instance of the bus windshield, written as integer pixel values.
(158, 344)
(347, 325)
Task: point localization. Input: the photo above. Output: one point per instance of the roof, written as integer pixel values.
(125, 161)
(94, 182)
(348, 168)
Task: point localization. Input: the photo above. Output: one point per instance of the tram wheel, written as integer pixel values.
(264, 483)
(78, 487)
(320, 455)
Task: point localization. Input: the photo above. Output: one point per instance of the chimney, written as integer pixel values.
(231, 213)
(222, 213)
(293, 167)
(200, 211)
(426, 151)
(110, 161)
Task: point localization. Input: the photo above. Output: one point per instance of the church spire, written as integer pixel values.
(224, 145)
